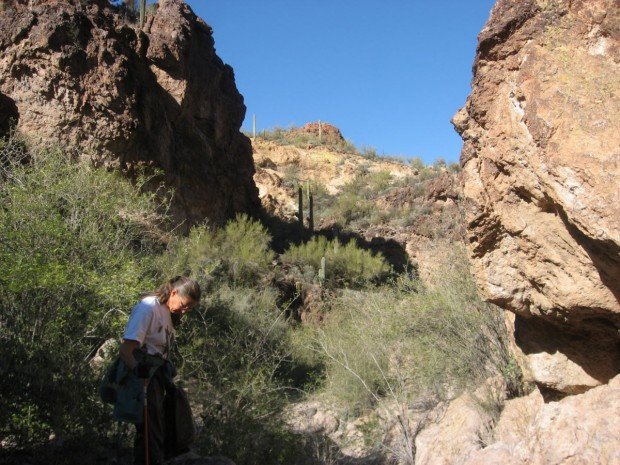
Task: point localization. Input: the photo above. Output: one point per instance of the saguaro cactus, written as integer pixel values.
(311, 213)
(300, 211)
(142, 12)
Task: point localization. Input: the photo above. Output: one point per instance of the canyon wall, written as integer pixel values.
(83, 74)
(541, 162)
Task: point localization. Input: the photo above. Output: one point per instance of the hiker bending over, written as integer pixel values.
(145, 349)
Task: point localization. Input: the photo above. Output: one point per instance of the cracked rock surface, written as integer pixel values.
(83, 75)
(541, 162)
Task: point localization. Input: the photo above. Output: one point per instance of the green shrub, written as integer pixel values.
(239, 252)
(349, 207)
(237, 354)
(346, 264)
(74, 255)
(405, 343)
(370, 153)
(417, 163)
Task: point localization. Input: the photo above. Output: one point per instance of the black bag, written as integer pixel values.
(180, 431)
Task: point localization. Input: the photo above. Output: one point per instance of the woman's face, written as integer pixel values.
(178, 303)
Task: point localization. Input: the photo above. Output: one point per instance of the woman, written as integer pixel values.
(147, 340)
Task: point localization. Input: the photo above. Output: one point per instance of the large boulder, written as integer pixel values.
(541, 163)
(576, 430)
(83, 74)
(573, 431)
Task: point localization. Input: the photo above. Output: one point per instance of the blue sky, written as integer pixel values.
(390, 74)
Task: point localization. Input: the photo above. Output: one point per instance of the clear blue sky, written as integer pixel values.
(389, 73)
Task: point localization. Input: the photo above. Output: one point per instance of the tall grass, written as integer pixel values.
(407, 341)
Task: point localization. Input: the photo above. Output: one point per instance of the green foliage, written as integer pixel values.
(348, 208)
(237, 353)
(73, 252)
(346, 264)
(417, 163)
(355, 204)
(239, 252)
(370, 153)
(77, 246)
(407, 343)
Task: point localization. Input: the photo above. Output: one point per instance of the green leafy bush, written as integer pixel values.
(238, 356)
(239, 252)
(346, 264)
(73, 253)
(349, 207)
(405, 343)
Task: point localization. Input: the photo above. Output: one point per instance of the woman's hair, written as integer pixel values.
(184, 286)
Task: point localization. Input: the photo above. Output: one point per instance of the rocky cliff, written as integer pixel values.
(541, 161)
(83, 74)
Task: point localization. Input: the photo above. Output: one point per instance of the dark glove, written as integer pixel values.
(142, 370)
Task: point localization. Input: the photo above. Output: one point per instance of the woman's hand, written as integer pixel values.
(126, 352)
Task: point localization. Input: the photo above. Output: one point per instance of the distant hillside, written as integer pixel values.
(377, 198)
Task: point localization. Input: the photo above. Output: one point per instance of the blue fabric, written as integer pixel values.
(129, 405)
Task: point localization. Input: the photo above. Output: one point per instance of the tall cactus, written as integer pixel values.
(311, 213)
(300, 211)
(142, 13)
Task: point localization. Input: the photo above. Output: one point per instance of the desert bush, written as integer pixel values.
(74, 252)
(370, 153)
(407, 343)
(440, 163)
(239, 253)
(368, 185)
(417, 163)
(236, 351)
(355, 204)
(349, 207)
(346, 264)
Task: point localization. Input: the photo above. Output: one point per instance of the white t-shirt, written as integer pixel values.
(150, 324)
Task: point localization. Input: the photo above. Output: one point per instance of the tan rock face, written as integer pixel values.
(78, 73)
(541, 161)
(577, 430)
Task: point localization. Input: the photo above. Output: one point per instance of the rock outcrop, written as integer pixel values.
(328, 133)
(576, 430)
(541, 162)
(81, 74)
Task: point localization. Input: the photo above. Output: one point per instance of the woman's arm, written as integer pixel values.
(126, 352)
